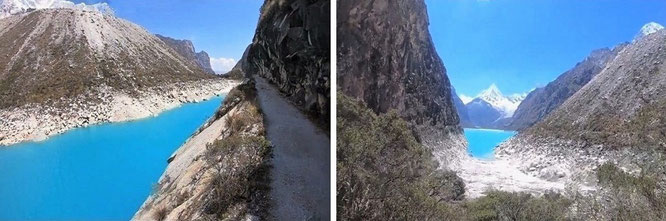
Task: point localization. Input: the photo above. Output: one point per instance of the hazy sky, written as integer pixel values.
(521, 44)
(223, 28)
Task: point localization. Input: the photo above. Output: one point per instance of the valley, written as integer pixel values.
(588, 145)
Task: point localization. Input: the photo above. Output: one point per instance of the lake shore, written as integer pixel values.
(34, 122)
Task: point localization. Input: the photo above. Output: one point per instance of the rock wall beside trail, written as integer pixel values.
(386, 59)
(291, 48)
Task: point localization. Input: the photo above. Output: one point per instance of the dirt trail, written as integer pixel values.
(301, 155)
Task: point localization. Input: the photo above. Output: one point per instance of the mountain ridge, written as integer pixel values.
(64, 68)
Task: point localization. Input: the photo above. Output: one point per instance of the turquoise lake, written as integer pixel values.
(100, 172)
(482, 142)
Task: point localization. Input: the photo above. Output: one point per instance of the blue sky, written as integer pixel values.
(223, 28)
(521, 44)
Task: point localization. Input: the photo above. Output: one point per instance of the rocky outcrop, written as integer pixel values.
(291, 48)
(387, 60)
(64, 68)
(186, 49)
(540, 102)
(221, 171)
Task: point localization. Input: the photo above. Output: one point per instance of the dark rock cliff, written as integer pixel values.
(186, 49)
(291, 48)
(540, 102)
(387, 60)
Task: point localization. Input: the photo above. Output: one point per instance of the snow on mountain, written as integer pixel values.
(13, 7)
(506, 105)
(648, 29)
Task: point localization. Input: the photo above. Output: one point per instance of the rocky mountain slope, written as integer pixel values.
(617, 116)
(186, 49)
(221, 172)
(386, 59)
(291, 48)
(461, 109)
(540, 102)
(63, 68)
(492, 109)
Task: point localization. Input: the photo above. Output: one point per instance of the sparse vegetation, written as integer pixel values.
(498, 205)
(384, 174)
(634, 197)
(240, 181)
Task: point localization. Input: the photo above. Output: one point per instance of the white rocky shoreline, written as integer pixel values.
(35, 122)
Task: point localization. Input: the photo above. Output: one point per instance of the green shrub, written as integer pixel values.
(499, 205)
(383, 173)
(634, 197)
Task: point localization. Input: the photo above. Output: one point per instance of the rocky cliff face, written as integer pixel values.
(387, 60)
(186, 49)
(291, 48)
(540, 102)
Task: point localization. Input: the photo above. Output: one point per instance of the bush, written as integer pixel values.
(384, 173)
(629, 197)
(498, 205)
(240, 173)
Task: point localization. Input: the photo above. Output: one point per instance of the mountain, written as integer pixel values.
(64, 68)
(387, 60)
(540, 102)
(621, 106)
(616, 117)
(490, 106)
(461, 109)
(648, 29)
(294, 53)
(186, 49)
(13, 7)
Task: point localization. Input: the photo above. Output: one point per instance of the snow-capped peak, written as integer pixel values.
(13, 7)
(648, 29)
(505, 104)
(491, 94)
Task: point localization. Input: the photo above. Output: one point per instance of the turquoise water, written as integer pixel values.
(482, 142)
(101, 172)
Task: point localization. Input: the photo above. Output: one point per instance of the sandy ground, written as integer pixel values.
(500, 174)
(300, 178)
